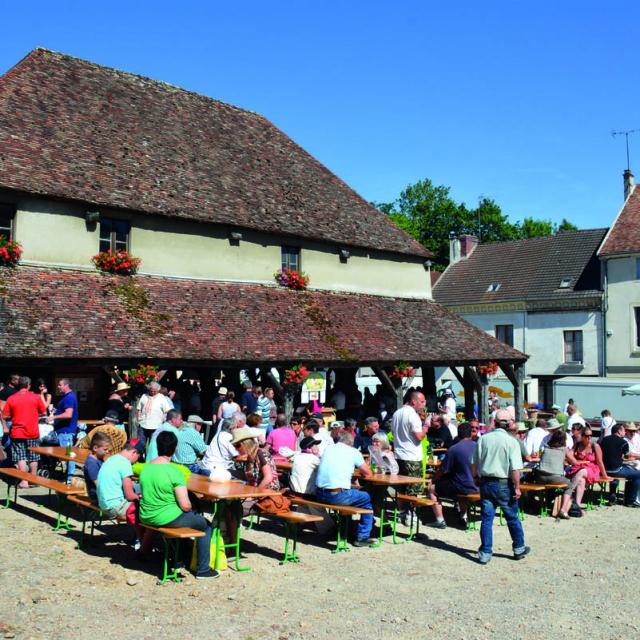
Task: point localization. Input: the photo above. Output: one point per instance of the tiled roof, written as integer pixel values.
(73, 129)
(624, 236)
(526, 270)
(54, 314)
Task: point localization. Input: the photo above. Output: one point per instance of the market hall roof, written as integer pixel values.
(76, 130)
(624, 235)
(49, 314)
(558, 268)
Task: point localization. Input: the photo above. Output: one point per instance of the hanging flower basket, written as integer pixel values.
(142, 374)
(296, 375)
(10, 252)
(119, 262)
(297, 280)
(490, 369)
(403, 370)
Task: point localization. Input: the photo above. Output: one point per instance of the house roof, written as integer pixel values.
(624, 235)
(64, 314)
(525, 270)
(76, 130)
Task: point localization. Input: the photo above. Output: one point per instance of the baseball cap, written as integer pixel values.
(308, 442)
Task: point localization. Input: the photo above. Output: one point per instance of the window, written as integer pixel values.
(493, 287)
(636, 311)
(565, 283)
(7, 214)
(637, 268)
(291, 258)
(504, 333)
(114, 235)
(573, 346)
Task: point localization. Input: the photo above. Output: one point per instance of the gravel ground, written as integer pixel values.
(579, 581)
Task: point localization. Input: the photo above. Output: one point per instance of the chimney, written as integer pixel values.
(454, 248)
(467, 244)
(629, 183)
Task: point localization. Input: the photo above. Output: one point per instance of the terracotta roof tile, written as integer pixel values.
(54, 314)
(624, 236)
(73, 129)
(526, 270)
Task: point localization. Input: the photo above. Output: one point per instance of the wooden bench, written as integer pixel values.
(471, 499)
(61, 490)
(87, 507)
(343, 515)
(602, 482)
(171, 537)
(292, 521)
(414, 501)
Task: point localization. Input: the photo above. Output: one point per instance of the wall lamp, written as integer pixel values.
(427, 265)
(344, 255)
(235, 237)
(92, 217)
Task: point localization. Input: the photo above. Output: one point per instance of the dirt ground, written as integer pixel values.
(580, 580)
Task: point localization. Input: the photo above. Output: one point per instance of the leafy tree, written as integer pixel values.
(429, 214)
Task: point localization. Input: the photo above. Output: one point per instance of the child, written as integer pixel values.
(100, 444)
(116, 496)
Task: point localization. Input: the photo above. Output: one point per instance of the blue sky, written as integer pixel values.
(510, 100)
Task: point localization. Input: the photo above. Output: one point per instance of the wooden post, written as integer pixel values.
(469, 388)
(515, 374)
(483, 399)
(429, 385)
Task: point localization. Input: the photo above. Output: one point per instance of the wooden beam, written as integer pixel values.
(469, 389)
(456, 373)
(396, 389)
(508, 371)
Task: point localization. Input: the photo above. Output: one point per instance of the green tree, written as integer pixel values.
(530, 228)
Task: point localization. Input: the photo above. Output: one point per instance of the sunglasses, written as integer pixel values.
(586, 435)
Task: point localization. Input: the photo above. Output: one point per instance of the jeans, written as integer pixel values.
(193, 520)
(631, 485)
(144, 435)
(197, 469)
(66, 440)
(352, 498)
(494, 494)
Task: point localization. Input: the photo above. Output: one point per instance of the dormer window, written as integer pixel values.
(290, 258)
(493, 287)
(114, 234)
(7, 216)
(565, 283)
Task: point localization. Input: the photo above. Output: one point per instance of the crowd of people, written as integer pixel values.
(251, 436)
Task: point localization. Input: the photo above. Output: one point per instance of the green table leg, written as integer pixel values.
(232, 545)
(343, 530)
(291, 532)
(471, 517)
(171, 555)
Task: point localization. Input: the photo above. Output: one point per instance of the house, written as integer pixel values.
(620, 258)
(213, 199)
(539, 295)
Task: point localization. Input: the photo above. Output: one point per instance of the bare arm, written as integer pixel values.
(570, 457)
(598, 453)
(515, 478)
(267, 476)
(182, 498)
(129, 493)
(365, 470)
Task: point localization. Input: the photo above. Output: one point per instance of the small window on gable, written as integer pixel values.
(493, 287)
(504, 333)
(291, 258)
(114, 234)
(7, 216)
(565, 283)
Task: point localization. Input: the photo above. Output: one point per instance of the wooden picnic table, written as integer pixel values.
(391, 479)
(232, 490)
(61, 453)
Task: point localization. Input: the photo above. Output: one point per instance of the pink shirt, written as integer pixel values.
(281, 437)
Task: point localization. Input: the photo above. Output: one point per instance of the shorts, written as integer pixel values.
(126, 510)
(411, 468)
(20, 449)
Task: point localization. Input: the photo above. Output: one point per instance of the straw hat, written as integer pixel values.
(631, 426)
(239, 435)
(122, 386)
(222, 391)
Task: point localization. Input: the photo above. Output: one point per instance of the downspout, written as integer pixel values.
(605, 307)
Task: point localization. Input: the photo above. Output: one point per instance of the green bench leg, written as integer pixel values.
(392, 523)
(171, 555)
(7, 502)
(471, 517)
(291, 533)
(412, 533)
(343, 529)
(59, 523)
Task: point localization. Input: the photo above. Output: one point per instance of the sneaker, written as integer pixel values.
(367, 542)
(437, 525)
(634, 505)
(522, 554)
(612, 500)
(137, 545)
(209, 573)
(563, 515)
(484, 558)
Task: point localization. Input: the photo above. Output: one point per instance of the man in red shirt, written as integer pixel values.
(24, 408)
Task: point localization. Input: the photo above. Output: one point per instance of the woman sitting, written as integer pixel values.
(165, 501)
(381, 454)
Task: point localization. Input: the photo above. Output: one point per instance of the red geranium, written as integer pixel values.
(120, 262)
(10, 251)
(292, 279)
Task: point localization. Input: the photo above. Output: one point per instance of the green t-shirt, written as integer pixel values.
(158, 505)
(110, 477)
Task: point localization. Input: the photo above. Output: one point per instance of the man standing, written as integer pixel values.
(151, 411)
(333, 483)
(65, 420)
(215, 405)
(24, 408)
(497, 463)
(408, 432)
(5, 393)
(248, 401)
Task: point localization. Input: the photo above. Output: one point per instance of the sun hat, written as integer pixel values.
(521, 426)
(239, 435)
(122, 386)
(337, 424)
(194, 419)
(631, 426)
(502, 415)
(552, 424)
(111, 416)
(556, 406)
(222, 391)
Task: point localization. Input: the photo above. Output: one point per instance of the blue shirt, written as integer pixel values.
(67, 425)
(363, 441)
(249, 401)
(91, 469)
(457, 465)
(110, 492)
(337, 466)
(152, 451)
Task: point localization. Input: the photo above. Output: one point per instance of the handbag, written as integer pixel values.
(278, 503)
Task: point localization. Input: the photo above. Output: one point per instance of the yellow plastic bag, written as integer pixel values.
(222, 556)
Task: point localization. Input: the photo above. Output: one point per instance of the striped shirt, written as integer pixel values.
(264, 407)
(190, 446)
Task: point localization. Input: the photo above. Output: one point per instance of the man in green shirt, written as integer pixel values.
(165, 501)
(496, 463)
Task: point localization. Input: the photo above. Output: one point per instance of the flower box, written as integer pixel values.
(297, 280)
(10, 252)
(119, 262)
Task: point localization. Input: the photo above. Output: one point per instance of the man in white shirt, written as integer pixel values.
(450, 405)
(574, 417)
(221, 453)
(305, 465)
(537, 435)
(408, 433)
(151, 411)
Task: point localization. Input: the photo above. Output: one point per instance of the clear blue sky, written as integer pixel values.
(506, 99)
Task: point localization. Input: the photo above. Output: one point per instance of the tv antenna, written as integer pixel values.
(626, 135)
